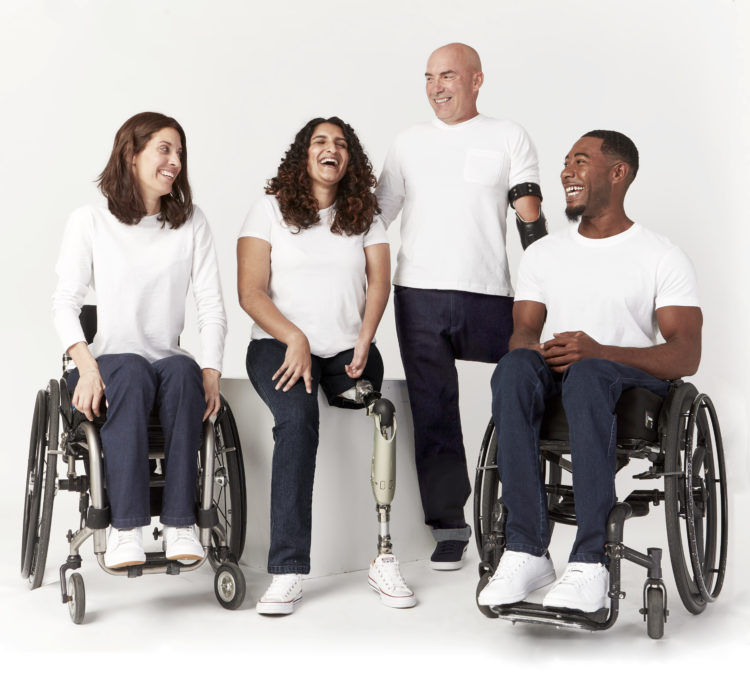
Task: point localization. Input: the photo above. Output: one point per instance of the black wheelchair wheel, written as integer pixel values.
(229, 495)
(655, 613)
(483, 581)
(488, 508)
(77, 598)
(695, 497)
(41, 477)
(229, 586)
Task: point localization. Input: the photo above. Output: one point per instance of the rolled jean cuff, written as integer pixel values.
(587, 558)
(298, 569)
(451, 533)
(526, 548)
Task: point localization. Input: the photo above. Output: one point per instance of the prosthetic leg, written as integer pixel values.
(383, 471)
(384, 577)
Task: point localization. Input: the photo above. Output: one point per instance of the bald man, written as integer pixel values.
(455, 178)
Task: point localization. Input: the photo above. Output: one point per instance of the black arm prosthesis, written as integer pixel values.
(533, 230)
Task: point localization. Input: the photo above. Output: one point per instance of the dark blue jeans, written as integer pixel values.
(435, 328)
(521, 384)
(295, 438)
(133, 389)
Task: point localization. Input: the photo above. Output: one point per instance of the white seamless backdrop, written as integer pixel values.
(243, 77)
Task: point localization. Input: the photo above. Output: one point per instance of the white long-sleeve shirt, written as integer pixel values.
(141, 274)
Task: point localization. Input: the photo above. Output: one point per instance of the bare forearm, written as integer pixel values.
(82, 357)
(377, 299)
(671, 360)
(261, 309)
(524, 338)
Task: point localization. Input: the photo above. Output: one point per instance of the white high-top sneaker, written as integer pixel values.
(181, 543)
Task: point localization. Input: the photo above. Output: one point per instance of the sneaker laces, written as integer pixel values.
(125, 536)
(577, 576)
(281, 587)
(389, 571)
(510, 563)
(184, 533)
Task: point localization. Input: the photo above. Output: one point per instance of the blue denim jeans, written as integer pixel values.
(521, 384)
(134, 388)
(295, 437)
(435, 328)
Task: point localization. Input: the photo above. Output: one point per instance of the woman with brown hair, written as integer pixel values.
(314, 275)
(141, 250)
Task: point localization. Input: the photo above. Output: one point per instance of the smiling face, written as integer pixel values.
(157, 165)
(452, 82)
(586, 179)
(327, 156)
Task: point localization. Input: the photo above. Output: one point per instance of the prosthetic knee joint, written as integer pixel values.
(383, 471)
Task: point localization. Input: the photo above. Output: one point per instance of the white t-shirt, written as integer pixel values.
(317, 278)
(453, 182)
(608, 288)
(141, 275)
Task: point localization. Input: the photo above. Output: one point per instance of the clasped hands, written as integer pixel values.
(567, 348)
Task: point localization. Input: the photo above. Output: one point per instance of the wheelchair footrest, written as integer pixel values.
(557, 617)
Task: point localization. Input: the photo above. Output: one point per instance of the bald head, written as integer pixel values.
(461, 53)
(453, 78)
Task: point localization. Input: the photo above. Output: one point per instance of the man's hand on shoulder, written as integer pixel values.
(569, 347)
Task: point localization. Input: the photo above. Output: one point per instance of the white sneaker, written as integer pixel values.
(181, 543)
(281, 596)
(124, 548)
(582, 587)
(385, 579)
(516, 576)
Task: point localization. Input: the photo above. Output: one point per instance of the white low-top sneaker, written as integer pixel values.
(124, 548)
(583, 586)
(281, 596)
(385, 579)
(516, 576)
(181, 543)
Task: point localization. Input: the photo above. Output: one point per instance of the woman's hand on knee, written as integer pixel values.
(213, 393)
(297, 364)
(359, 359)
(87, 397)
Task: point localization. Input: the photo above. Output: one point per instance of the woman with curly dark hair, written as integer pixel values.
(314, 275)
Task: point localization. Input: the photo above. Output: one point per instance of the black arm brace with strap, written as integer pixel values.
(533, 230)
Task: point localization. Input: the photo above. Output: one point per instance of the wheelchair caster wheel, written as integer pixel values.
(655, 613)
(76, 598)
(229, 586)
(485, 609)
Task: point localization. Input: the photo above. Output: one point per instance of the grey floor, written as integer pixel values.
(175, 624)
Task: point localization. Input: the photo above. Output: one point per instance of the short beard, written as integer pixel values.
(574, 213)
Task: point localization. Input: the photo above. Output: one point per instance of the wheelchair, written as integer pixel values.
(679, 438)
(60, 432)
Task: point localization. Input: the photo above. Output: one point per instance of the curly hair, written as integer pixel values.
(356, 205)
(118, 183)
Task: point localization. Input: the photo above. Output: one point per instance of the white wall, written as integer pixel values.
(243, 77)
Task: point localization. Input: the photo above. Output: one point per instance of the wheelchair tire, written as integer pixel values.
(487, 488)
(41, 477)
(77, 598)
(229, 586)
(483, 581)
(695, 498)
(655, 613)
(230, 495)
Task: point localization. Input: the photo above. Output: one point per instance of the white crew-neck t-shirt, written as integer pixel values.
(141, 274)
(317, 278)
(609, 288)
(452, 182)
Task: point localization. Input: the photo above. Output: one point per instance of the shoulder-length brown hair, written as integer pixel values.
(118, 183)
(356, 205)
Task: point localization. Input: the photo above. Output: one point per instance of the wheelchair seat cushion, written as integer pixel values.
(637, 413)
